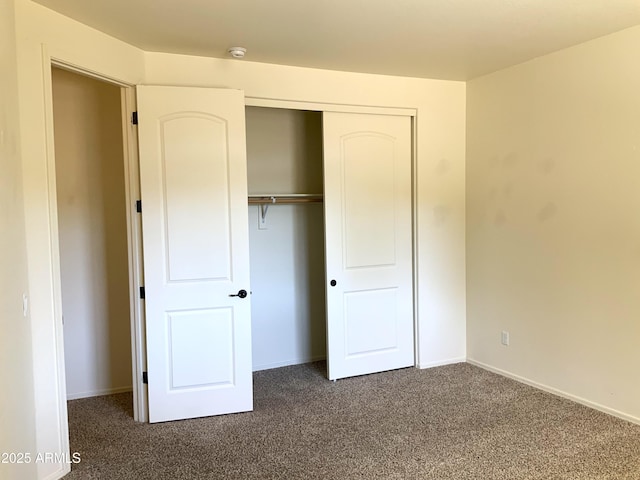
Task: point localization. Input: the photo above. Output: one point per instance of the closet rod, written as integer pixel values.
(284, 199)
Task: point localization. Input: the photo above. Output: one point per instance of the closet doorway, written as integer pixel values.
(194, 190)
(338, 273)
(92, 235)
(286, 238)
(367, 206)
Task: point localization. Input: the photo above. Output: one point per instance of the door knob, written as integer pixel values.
(333, 283)
(241, 294)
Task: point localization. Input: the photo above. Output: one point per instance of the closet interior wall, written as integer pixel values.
(92, 235)
(284, 156)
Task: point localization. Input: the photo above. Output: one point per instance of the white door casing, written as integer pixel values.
(195, 240)
(368, 230)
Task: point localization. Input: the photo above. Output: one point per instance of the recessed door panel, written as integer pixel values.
(196, 196)
(369, 220)
(374, 312)
(200, 348)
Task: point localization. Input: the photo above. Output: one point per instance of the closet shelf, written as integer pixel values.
(274, 199)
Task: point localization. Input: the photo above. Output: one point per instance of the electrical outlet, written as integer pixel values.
(504, 339)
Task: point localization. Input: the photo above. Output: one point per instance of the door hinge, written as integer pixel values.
(145, 378)
(134, 118)
(139, 206)
(142, 293)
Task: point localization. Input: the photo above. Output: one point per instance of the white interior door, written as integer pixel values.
(367, 197)
(193, 183)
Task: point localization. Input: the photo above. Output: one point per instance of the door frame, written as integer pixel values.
(251, 101)
(134, 236)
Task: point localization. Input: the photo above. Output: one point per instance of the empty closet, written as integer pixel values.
(286, 238)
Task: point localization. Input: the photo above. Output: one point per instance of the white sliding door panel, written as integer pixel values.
(368, 311)
(369, 221)
(193, 183)
(367, 174)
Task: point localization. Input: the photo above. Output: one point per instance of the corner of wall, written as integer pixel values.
(17, 408)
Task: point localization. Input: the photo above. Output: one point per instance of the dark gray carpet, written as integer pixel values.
(452, 422)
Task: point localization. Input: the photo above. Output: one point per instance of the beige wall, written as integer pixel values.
(41, 33)
(288, 316)
(92, 235)
(440, 167)
(17, 411)
(553, 221)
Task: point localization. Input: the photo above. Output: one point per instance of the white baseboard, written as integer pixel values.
(97, 393)
(555, 391)
(58, 474)
(441, 363)
(287, 363)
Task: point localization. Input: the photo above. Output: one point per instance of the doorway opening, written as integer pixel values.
(286, 239)
(92, 235)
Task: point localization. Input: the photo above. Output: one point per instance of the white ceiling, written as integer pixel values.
(447, 39)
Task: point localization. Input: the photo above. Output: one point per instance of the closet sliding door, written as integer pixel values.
(368, 238)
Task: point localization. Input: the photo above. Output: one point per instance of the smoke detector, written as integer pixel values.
(237, 52)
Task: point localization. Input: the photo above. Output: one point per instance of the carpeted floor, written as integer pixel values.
(452, 422)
